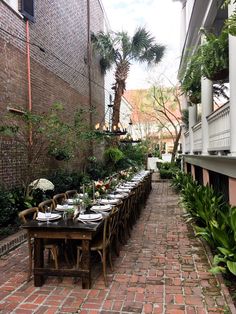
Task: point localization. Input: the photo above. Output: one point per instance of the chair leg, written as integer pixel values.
(110, 259)
(54, 252)
(30, 248)
(104, 267)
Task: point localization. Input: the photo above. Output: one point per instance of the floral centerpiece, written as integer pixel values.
(101, 187)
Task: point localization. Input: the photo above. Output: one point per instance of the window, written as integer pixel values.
(13, 4)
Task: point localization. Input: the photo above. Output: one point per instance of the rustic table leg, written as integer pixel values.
(85, 264)
(38, 261)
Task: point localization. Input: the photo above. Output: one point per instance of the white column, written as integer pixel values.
(207, 106)
(183, 26)
(192, 120)
(184, 105)
(232, 82)
(207, 103)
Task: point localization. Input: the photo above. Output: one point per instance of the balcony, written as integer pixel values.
(218, 133)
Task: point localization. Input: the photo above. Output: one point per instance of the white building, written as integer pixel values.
(209, 145)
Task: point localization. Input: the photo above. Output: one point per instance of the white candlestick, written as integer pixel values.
(93, 190)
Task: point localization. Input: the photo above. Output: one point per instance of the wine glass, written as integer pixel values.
(48, 212)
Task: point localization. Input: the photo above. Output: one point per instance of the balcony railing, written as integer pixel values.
(187, 142)
(218, 132)
(219, 129)
(197, 137)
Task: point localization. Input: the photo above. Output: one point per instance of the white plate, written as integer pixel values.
(116, 196)
(90, 217)
(123, 189)
(105, 201)
(101, 207)
(41, 217)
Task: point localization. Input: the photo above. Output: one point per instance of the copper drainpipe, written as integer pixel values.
(89, 72)
(29, 78)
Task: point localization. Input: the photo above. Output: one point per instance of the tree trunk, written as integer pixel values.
(176, 143)
(116, 106)
(121, 75)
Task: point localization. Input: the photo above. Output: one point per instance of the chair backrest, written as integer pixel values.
(71, 193)
(49, 203)
(110, 227)
(28, 214)
(59, 199)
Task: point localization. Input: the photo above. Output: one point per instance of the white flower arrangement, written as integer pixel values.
(42, 184)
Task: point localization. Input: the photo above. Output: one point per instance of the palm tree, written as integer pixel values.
(120, 49)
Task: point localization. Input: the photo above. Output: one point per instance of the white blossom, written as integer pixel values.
(42, 184)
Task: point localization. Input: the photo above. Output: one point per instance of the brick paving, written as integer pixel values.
(162, 269)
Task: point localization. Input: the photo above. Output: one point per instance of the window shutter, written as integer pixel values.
(27, 9)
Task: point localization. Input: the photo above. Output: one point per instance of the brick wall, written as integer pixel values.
(59, 74)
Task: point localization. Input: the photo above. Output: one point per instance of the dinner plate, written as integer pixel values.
(113, 201)
(116, 196)
(101, 207)
(41, 217)
(90, 217)
(123, 189)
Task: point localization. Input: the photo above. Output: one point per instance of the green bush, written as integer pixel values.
(64, 180)
(215, 221)
(168, 170)
(8, 206)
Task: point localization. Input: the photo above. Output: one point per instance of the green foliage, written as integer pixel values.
(112, 155)
(167, 170)
(96, 169)
(64, 180)
(134, 155)
(215, 221)
(11, 201)
(214, 55)
(191, 79)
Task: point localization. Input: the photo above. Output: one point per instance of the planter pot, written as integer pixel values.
(194, 99)
(220, 75)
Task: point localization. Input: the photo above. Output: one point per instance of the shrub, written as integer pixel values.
(64, 180)
(168, 170)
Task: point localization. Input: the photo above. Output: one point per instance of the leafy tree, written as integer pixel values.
(163, 105)
(119, 49)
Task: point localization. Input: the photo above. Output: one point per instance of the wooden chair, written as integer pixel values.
(102, 243)
(49, 203)
(71, 193)
(31, 214)
(59, 199)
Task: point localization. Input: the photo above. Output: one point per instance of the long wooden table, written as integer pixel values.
(67, 230)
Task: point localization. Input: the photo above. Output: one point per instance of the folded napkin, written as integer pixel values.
(64, 207)
(101, 207)
(74, 201)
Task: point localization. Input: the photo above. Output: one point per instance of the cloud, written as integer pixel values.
(162, 19)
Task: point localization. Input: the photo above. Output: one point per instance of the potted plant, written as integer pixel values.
(214, 57)
(191, 80)
(60, 153)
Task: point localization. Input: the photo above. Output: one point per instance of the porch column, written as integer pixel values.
(207, 102)
(232, 83)
(192, 121)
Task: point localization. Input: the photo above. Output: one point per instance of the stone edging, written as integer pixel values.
(219, 277)
(11, 242)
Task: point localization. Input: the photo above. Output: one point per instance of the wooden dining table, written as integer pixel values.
(66, 230)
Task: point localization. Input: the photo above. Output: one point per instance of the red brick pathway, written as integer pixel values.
(162, 269)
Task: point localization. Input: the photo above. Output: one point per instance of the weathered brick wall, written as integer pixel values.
(59, 74)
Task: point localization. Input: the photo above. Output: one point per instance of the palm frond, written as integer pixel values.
(103, 43)
(152, 55)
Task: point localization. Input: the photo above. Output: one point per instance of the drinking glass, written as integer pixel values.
(48, 212)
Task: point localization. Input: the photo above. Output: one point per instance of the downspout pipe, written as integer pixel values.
(29, 77)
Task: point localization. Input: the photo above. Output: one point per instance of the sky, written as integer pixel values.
(162, 19)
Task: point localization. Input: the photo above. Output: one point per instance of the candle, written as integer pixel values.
(83, 191)
(93, 190)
